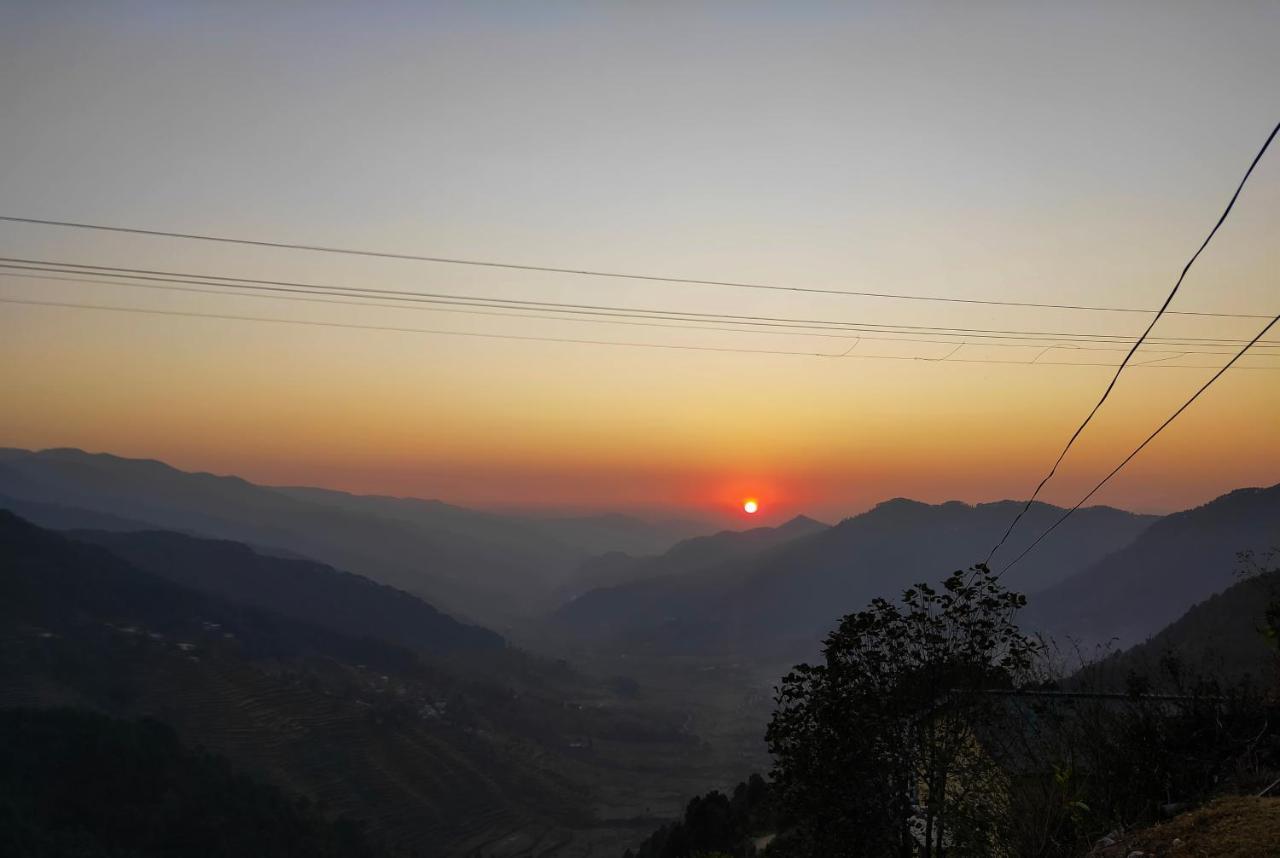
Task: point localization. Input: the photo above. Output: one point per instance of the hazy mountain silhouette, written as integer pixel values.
(528, 534)
(783, 600)
(299, 589)
(1180, 560)
(62, 517)
(597, 594)
(615, 532)
(477, 564)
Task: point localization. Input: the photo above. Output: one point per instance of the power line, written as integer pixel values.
(1141, 446)
(530, 338)
(1163, 307)
(514, 313)
(393, 328)
(453, 299)
(586, 272)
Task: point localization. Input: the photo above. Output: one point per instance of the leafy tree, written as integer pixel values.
(715, 824)
(877, 749)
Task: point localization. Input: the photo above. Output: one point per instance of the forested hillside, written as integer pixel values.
(1179, 561)
(420, 752)
(76, 783)
(1232, 635)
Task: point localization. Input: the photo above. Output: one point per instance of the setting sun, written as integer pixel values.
(750, 507)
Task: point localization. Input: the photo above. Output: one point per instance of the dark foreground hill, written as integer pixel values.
(780, 601)
(76, 783)
(1180, 560)
(1227, 636)
(434, 762)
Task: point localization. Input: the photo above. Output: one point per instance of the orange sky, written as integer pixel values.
(973, 157)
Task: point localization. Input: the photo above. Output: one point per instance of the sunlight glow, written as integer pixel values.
(750, 506)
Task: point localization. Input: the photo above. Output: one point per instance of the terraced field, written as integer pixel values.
(524, 760)
(421, 785)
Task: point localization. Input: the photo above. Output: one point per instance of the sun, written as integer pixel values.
(750, 506)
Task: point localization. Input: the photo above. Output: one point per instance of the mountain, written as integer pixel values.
(1179, 561)
(511, 536)
(614, 532)
(295, 588)
(62, 517)
(602, 594)
(476, 564)
(1224, 637)
(63, 587)
(433, 760)
(586, 535)
(781, 601)
(74, 782)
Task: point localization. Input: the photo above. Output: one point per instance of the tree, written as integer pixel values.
(715, 824)
(878, 750)
(1265, 565)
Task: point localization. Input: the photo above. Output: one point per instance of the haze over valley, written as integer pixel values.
(473, 430)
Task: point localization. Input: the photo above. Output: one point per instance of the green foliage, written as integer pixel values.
(81, 785)
(886, 723)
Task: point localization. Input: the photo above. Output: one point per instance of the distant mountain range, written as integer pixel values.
(778, 596)
(479, 565)
(601, 574)
(1106, 575)
(295, 630)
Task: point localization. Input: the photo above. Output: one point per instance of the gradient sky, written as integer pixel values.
(1073, 153)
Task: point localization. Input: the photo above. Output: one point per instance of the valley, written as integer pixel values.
(578, 728)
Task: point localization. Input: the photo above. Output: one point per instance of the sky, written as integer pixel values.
(1064, 154)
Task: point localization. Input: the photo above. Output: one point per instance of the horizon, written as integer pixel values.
(733, 519)
(867, 150)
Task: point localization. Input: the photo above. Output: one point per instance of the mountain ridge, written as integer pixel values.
(1182, 559)
(781, 602)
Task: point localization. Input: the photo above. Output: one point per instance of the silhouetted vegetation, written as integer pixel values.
(877, 748)
(716, 823)
(75, 784)
(930, 729)
(1092, 762)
